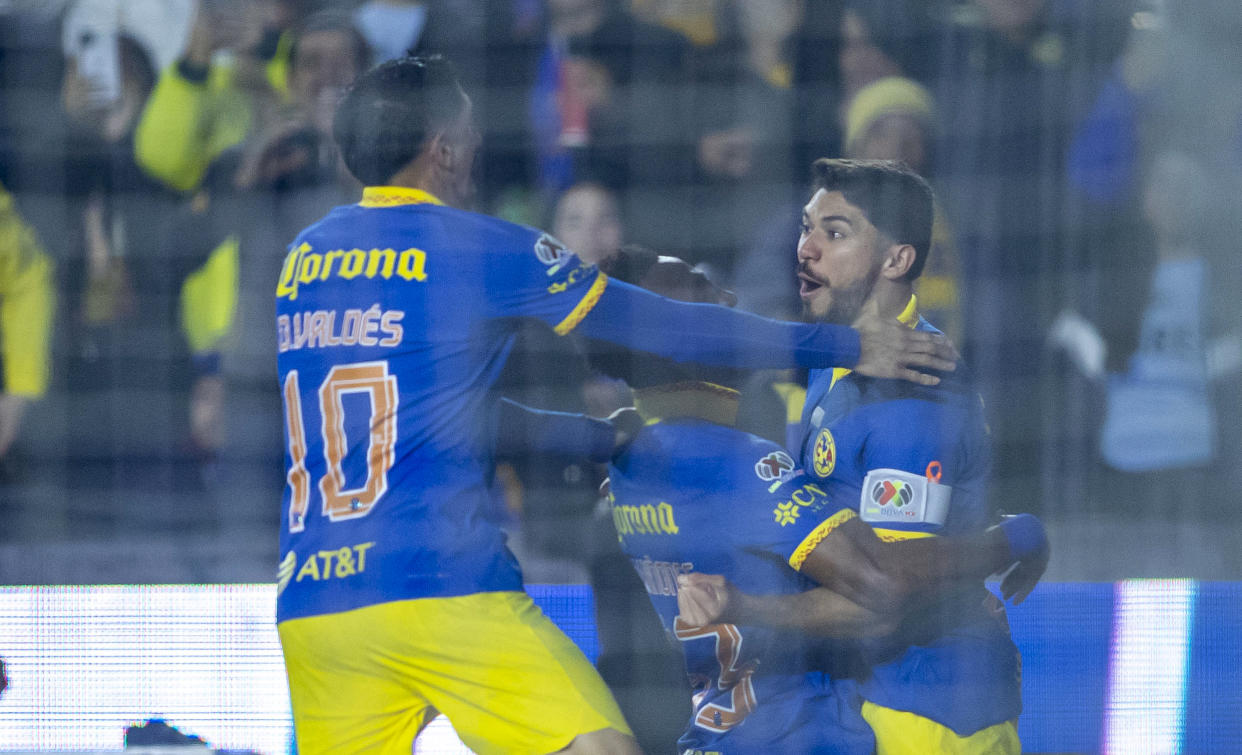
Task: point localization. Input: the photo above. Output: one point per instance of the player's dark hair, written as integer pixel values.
(895, 199)
(675, 279)
(388, 113)
(332, 21)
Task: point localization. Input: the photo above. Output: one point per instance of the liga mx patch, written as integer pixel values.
(774, 465)
(549, 250)
(891, 495)
(824, 454)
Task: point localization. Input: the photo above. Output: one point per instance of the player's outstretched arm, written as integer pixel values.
(523, 429)
(710, 334)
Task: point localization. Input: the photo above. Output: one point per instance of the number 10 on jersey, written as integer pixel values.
(372, 379)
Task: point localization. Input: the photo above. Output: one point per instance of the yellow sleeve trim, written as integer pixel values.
(892, 536)
(584, 307)
(818, 534)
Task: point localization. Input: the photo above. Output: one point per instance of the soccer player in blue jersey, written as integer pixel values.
(692, 493)
(397, 596)
(912, 462)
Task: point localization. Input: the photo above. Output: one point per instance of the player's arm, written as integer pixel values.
(710, 598)
(891, 578)
(523, 429)
(710, 334)
(867, 585)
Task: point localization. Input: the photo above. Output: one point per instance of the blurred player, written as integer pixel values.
(912, 463)
(398, 598)
(693, 493)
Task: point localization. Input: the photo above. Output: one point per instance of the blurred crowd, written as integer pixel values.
(156, 156)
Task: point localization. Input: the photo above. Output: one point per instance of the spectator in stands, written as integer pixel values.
(745, 108)
(255, 198)
(126, 372)
(27, 304)
(1002, 86)
(1153, 167)
(894, 118)
(587, 219)
(207, 101)
(609, 102)
(697, 20)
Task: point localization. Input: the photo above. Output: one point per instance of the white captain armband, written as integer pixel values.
(891, 495)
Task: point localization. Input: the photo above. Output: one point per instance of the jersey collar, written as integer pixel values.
(392, 196)
(908, 317)
(699, 400)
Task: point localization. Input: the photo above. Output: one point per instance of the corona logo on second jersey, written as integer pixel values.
(824, 456)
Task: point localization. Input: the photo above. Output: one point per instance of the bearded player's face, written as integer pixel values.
(838, 258)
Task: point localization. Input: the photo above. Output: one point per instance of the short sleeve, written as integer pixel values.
(949, 450)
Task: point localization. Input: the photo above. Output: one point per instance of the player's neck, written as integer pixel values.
(421, 174)
(889, 299)
(705, 401)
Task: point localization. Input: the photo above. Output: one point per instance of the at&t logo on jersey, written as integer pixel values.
(824, 455)
(774, 465)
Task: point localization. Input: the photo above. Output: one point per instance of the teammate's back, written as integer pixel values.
(393, 318)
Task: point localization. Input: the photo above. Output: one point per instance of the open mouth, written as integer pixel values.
(808, 286)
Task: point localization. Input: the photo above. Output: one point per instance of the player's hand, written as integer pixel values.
(626, 423)
(704, 599)
(1019, 582)
(888, 349)
(1032, 551)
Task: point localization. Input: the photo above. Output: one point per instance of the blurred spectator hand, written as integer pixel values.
(1081, 342)
(284, 151)
(12, 409)
(228, 25)
(729, 153)
(207, 413)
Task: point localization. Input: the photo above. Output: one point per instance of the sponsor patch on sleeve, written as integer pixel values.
(549, 251)
(892, 495)
(776, 465)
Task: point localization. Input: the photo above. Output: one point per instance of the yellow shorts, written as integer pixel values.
(898, 732)
(509, 681)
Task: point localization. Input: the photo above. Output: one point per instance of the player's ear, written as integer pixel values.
(897, 261)
(443, 151)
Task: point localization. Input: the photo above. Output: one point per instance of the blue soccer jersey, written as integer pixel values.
(694, 496)
(913, 461)
(394, 317)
